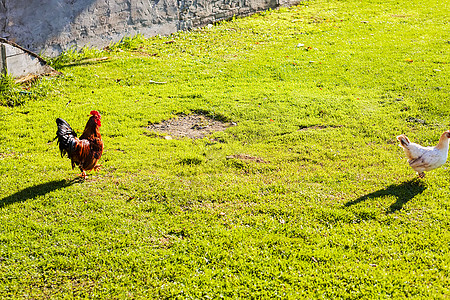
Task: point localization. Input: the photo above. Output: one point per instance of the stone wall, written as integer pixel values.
(52, 26)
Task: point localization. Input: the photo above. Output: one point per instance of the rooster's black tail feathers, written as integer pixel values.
(66, 137)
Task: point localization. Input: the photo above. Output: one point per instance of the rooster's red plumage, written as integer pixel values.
(85, 151)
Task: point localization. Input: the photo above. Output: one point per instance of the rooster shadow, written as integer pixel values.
(37, 190)
(403, 192)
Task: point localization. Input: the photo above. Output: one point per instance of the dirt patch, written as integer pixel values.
(194, 126)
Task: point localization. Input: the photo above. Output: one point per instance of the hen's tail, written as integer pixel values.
(404, 141)
(66, 137)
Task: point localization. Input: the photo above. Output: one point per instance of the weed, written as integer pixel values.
(128, 43)
(11, 93)
(74, 55)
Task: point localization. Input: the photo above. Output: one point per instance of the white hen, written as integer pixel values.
(425, 158)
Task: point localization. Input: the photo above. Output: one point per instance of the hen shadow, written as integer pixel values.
(403, 192)
(35, 191)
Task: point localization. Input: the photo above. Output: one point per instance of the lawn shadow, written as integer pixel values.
(37, 190)
(403, 192)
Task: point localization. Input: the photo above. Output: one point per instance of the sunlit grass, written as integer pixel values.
(318, 92)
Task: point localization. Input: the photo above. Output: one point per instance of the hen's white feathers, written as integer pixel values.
(425, 158)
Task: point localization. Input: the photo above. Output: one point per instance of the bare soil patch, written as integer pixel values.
(194, 126)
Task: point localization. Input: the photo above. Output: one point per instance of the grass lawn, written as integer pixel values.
(328, 206)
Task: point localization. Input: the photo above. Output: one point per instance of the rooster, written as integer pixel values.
(84, 151)
(425, 158)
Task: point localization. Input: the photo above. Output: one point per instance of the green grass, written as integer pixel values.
(335, 212)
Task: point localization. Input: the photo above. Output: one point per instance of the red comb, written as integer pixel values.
(95, 113)
(97, 117)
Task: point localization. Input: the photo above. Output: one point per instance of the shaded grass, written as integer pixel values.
(404, 192)
(318, 92)
(35, 191)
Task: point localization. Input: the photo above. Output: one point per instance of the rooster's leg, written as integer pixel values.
(421, 174)
(83, 173)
